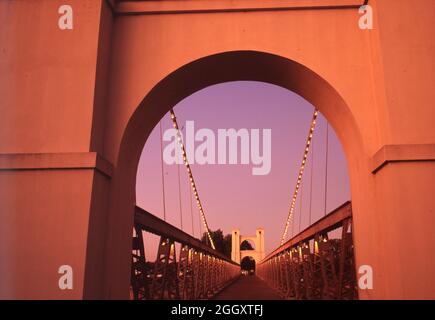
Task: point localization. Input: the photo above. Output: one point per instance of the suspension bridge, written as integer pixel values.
(83, 84)
(310, 265)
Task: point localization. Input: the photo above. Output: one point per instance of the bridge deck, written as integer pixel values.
(248, 288)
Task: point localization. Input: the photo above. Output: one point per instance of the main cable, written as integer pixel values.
(301, 172)
(192, 180)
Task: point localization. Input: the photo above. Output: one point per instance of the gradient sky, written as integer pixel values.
(231, 196)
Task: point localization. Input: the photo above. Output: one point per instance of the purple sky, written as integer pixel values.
(230, 194)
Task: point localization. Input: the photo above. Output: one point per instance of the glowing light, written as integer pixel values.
(192, 180)
(299, 180)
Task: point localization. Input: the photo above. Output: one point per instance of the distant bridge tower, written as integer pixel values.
(258, 241)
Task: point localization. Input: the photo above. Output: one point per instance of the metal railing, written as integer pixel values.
(315, 264)
(199, 272)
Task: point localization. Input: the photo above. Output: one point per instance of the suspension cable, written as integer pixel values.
(301, 171)
(300, 207)
(162, 168)
(293, 228)
(192, 180)
(179, 197)
(191, 209)
(200, 232)
(311, 180)
(326, 165)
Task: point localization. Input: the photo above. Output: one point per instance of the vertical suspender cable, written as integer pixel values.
(326, 164)
(192, 180)
(179, 198)
(301, 172)
(191, 210)
(293, 229)
(300, 208)
(163, 173)
(311, 180)
(199, 226)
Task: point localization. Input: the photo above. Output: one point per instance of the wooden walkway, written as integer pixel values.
(248, 288)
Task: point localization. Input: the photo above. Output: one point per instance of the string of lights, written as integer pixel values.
(191, 179)
(301, 172)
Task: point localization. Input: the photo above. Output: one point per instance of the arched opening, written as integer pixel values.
(247, 245)
(219, 68)
(247, 265)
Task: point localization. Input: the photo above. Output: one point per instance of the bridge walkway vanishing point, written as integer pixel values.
(248, 288)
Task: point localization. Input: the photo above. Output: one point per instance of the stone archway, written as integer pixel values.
(248, 263)
(218, 68)
(74, 120)
(238, 252)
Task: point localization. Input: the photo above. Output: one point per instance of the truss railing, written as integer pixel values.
(318, 263)
(198, 273)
